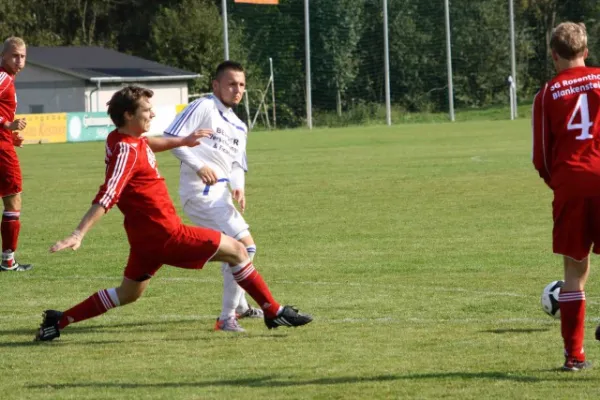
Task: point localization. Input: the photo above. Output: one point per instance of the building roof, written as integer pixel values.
(98, 64)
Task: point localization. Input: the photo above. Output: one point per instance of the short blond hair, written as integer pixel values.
(569, 40)
(12, 42)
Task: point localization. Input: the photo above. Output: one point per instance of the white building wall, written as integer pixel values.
(165, 94)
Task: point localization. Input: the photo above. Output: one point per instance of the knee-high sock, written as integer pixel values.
(97, 304)
(231, 293)
(9, 228)
(572, 323)
(250, 280)
(242, 303)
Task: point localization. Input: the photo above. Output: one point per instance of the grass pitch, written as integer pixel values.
(421, 251)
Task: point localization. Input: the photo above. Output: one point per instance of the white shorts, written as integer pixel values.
(213, 208)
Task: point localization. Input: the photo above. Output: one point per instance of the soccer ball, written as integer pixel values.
(550, 298)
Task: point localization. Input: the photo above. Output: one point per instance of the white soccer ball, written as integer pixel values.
(550, 298)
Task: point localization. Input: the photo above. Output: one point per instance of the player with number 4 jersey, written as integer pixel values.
(567, 132)
(566, 154)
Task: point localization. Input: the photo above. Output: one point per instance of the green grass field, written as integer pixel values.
(421, 251)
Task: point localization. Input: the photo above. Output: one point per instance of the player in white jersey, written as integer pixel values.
(213, 175)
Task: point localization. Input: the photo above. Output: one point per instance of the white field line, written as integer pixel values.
(386, 320)
(394, 286)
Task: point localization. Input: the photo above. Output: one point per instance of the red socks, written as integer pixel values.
(250, 280)
(95, 305)
(572, 323)
(9, 228)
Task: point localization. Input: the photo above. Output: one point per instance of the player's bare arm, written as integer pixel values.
(161, 143)
(240, 197)
(73, 241)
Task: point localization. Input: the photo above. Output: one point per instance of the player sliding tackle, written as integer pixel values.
(155, 233)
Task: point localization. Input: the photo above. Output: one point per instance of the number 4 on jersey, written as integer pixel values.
(584, 126)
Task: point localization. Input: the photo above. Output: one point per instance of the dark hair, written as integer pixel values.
(228, 65)
(126, 100)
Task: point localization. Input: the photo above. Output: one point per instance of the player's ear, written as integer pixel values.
(585, 53)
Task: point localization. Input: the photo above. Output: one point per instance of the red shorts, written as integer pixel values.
(576, 227)
(190, 247)
(10, 172)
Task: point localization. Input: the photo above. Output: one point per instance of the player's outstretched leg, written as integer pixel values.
(95, 305)
(243, 309)
(232, 252)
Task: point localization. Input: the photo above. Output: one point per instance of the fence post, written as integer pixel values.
(225, 30)
(449, 61)
(513, 62)
(386, 57)
(307, 60)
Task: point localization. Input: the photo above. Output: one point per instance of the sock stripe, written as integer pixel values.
(571, 296)
(9, 216)
(105, 299)
(244, 273)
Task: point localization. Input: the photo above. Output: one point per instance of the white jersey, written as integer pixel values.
(220, 151)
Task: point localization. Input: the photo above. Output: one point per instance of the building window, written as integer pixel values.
(36, 108)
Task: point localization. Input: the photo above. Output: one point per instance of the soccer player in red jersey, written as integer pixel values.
(566, 153)
(13, 61)
(156, 234)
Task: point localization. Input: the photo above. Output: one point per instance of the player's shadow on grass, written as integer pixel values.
(84, 329)
(78, 329)
(516, 330)
(272, 381)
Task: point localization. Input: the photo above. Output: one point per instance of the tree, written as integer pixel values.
(338, 26)
(188, 36)
(276, 32)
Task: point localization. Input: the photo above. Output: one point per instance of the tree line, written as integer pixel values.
(346, 45)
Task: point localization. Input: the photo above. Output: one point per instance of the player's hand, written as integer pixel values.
(208, 176)
(17, 124)
(193, 139)
(18, 140)
(240, 197)
(72, 241)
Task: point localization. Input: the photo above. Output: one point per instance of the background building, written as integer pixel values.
(75, 79)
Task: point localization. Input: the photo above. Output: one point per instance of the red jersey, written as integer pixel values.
(566, 132)
(135, 185)
(8, 106)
